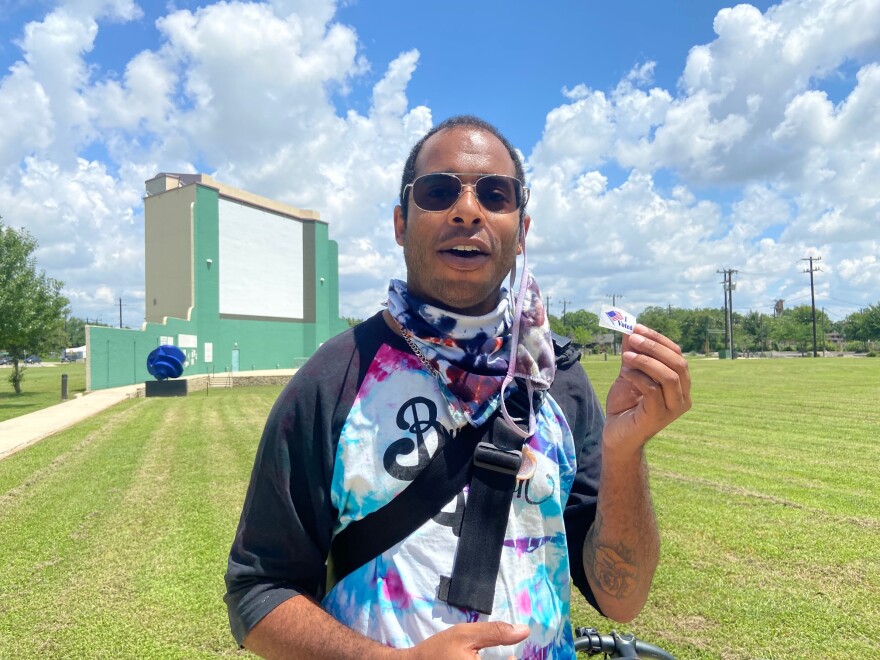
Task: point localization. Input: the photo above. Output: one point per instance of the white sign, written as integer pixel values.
(187, 341)
(166, 341)
(209, 352)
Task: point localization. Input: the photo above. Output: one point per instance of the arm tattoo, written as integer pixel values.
(610, 568)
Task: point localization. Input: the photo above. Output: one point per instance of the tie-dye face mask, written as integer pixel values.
(472, 353)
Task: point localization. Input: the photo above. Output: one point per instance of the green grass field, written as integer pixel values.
(40, 388)
(115, 532)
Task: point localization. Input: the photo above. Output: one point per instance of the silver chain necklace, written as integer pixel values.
(457, 416)
(407, 337)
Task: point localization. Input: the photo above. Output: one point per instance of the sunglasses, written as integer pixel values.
(496, 193)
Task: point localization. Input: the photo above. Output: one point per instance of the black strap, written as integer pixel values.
(478, 555)
(439, 482)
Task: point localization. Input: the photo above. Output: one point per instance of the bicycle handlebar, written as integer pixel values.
(615, 645)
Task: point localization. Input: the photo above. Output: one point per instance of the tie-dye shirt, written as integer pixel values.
(346, 436)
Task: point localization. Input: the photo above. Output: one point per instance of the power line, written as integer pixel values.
(847, 302)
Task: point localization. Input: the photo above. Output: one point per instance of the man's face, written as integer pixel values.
(460, 280)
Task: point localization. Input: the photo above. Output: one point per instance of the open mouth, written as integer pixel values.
(465, 251)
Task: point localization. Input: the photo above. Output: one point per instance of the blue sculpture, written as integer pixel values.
(165, 362)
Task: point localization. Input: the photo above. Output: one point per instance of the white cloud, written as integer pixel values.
(750, 118)
(754, 161)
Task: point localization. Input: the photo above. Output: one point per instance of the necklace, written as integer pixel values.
(407, 337)
(457, 416)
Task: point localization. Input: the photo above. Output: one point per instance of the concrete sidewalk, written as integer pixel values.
(20, 432)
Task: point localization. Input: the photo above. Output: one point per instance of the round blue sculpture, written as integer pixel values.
(165, 362)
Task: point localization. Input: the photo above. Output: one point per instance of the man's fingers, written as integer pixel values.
(661, 359)
(465, 640)
(484, 634)
(497, 633)
(673, 388)
(652, 334)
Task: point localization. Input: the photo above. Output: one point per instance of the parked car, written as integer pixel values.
(68, 358)
(32, 359)
(5, 359)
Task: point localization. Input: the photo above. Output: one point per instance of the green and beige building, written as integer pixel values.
(237, 281)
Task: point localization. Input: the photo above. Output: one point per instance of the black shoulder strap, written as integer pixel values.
(441, 480)
(481, 539)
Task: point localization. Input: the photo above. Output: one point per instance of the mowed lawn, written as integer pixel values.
(115, 532)
(40, 388)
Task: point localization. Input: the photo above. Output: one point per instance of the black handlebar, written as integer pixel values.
(616, 645)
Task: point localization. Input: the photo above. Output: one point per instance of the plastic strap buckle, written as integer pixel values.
(506, 461)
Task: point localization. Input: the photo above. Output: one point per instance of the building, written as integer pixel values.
(237, 281)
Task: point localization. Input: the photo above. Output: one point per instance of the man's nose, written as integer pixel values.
(467, 208)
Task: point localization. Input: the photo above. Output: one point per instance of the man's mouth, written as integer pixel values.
(464, 251)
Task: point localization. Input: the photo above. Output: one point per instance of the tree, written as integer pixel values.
(864, 326)
(32, 309)
(756, 327)
(702, 330)
(75, 330)
(580, 326)
(661, 320)
(794, 326)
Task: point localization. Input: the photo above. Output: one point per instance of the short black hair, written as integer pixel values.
(409, 169)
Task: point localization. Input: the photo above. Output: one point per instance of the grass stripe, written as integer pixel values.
(115, 532)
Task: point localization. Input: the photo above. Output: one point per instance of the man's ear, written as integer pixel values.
(523, 231)
(399, 225)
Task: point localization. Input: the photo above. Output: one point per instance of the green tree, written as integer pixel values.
(663, 321)
(75, 331)
(795, 327)
(578, 325)
(756, 331)
(863, 326)
(702, 330)
(32, 309)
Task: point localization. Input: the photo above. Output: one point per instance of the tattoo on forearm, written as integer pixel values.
(612, 569)
(613, 573)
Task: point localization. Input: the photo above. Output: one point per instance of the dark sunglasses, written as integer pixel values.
(496, 193)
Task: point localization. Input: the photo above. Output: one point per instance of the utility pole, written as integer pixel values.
(548, 306)
(812, 270)
(729, 286)
(120, 312)
(564, 308)
(614, 297)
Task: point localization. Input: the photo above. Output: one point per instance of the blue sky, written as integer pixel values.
(511, 60)
(664, 140)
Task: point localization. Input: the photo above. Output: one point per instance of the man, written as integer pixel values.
(358, 423)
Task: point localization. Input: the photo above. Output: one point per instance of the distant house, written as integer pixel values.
(78, 353)
(604, 341)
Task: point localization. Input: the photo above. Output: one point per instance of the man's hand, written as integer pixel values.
(652, 390)
(300, 628)
(464, 640)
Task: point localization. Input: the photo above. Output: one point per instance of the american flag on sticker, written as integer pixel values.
(616, 319)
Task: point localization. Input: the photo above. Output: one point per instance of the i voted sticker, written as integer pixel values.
(616, 319)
